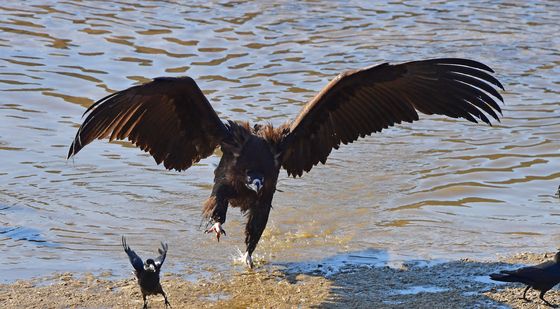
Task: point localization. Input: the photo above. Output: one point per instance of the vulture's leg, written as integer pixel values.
(258, 217)
(215, 208)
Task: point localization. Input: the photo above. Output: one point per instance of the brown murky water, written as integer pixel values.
(435, 189)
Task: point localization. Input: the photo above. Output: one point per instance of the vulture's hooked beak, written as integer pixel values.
(254, 180)
(256, 184)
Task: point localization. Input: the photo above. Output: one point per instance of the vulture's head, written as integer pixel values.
(150, 265)
(254, 180)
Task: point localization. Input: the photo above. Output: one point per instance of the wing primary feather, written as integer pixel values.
(100, 101)
(131, 124)
(121, 121)
(460, 61)
(473, 82)
(474, 100)
(476, 73)
(477, 93)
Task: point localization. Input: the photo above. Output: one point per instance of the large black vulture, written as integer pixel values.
(171, 119)
(542, 277)
(147, 272)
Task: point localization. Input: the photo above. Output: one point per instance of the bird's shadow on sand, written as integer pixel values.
(367, 279)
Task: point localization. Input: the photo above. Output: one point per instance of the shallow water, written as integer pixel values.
(435, 189)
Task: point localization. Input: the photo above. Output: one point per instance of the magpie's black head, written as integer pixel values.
(254, 180)
(150, 265)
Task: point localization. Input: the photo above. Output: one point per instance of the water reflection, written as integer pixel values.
(440, 187)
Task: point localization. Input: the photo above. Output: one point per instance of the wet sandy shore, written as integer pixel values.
(455, 284)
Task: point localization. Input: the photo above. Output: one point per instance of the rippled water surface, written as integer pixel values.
(435, 189)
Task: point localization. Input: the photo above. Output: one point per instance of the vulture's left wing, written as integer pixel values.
(168, 117)
(358, 103)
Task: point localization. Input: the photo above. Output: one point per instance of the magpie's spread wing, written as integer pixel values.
(358, 103)
(168, 117)
(162, 254)
(135, 260)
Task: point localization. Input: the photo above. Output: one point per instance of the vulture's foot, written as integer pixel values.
(217, 228)
(248, 260)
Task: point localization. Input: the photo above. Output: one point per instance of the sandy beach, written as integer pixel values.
(454, 284)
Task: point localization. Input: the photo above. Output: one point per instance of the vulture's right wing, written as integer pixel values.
(360, 102)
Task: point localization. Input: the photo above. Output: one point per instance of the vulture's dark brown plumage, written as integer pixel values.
(172, 120)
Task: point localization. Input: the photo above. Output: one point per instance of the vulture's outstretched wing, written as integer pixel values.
(135, 260)
(358, 103)
(168, 117)
(162, 254)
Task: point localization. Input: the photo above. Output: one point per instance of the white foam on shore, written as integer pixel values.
(413, 290)
(487, 280)
(367, 258)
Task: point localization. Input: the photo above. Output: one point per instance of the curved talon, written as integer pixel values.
(217, 228)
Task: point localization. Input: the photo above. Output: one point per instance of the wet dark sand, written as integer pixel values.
(455, 284)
